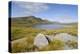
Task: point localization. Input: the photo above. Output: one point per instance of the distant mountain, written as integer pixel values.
(69, 23)
(72, 23)
(27, 21)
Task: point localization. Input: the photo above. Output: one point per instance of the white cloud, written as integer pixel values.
(32, 8)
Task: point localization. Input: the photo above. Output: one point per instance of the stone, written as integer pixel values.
(40, 41)
(50, 37)
(65, 37)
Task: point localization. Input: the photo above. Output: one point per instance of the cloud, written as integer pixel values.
(32, 8)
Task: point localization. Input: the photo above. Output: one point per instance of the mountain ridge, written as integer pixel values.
(32, 20)
(28, 21)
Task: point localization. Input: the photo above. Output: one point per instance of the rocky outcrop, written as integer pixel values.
(42, 40)
(65, 37)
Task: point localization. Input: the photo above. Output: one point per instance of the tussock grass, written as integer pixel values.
(70, 30)
(54, 45)
(23, 38)
(20, 32)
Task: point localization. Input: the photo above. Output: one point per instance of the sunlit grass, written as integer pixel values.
(54, 45)
(20, 32)
(71, 30)
(23, 38)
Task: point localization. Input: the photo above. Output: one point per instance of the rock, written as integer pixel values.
(51, 38)
(65, 37)
(40, 41)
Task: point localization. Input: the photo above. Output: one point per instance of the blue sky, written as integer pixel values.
(53, 12)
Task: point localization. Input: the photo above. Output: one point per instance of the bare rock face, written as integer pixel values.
(40, 41)
(65, 37)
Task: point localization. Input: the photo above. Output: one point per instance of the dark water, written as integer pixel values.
(49, 26)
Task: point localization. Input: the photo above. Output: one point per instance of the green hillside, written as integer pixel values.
(27, 21)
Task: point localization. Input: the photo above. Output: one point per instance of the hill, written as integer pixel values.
(27, 21)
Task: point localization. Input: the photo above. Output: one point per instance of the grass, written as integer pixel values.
(20, 32)
(22, 38)
(54, 45)
(23, 44)
(26, 45)
(71, 30)
(73, 44)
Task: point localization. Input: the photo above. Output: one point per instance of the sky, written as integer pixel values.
(54, 12)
